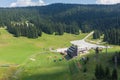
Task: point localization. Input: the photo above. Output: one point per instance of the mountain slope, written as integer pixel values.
(59, 18)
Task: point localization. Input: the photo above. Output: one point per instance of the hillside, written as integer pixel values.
(29, 34)
(24, 58)
(12, 45)
(60, 18)
(14, 52)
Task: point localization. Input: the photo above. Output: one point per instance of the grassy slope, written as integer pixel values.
(44, 68)
(15, 50)
(60, 70)
(103, 59)
(18, 50)
(95, 41)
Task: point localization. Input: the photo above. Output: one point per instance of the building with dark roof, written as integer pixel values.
(72, 51)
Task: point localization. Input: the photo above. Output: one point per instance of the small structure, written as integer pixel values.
(72, 51)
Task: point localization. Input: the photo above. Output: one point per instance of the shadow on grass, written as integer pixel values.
(51, 76)
(67, 57)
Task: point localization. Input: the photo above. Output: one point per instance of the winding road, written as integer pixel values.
(82, 44)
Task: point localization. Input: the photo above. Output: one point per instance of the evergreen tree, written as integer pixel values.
(114, 74)
(99, 72)
(112, 36)
(107, 74)
(96, 34)
(70, 18)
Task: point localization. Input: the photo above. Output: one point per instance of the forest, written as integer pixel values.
(59, 18)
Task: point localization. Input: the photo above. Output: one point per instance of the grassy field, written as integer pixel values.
(95, 41)
(17, 51)
(46, 69)
(30, 59)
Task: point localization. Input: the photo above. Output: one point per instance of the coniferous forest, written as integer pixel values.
(59, 18)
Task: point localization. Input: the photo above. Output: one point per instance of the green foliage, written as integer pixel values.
(107, 74)
(117, 55)
(60, 18)
(111, 36)
(73, 67)
(86, 28)
(96, 34)
(99, 72)
(84, 69)
(24, 29)
(57, 18)
(104, 74)
(114, 74)
(17, 51)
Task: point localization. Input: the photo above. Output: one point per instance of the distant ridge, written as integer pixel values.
(61, 4)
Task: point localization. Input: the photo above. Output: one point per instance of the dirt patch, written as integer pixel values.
(9, 65)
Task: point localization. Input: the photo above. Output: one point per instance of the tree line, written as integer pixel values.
(105, 73)
(24, 29)
(60, 18)
(112, 36)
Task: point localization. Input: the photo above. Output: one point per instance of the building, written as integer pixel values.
(72, 51)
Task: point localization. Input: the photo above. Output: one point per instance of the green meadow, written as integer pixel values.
(14, 52)
(30, 59)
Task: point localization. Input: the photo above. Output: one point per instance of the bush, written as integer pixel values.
(84, 69)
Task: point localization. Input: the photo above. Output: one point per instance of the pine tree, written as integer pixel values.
(114, 74)
(101, 72)
(96, 34)
(97, 72)
(107, 73)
